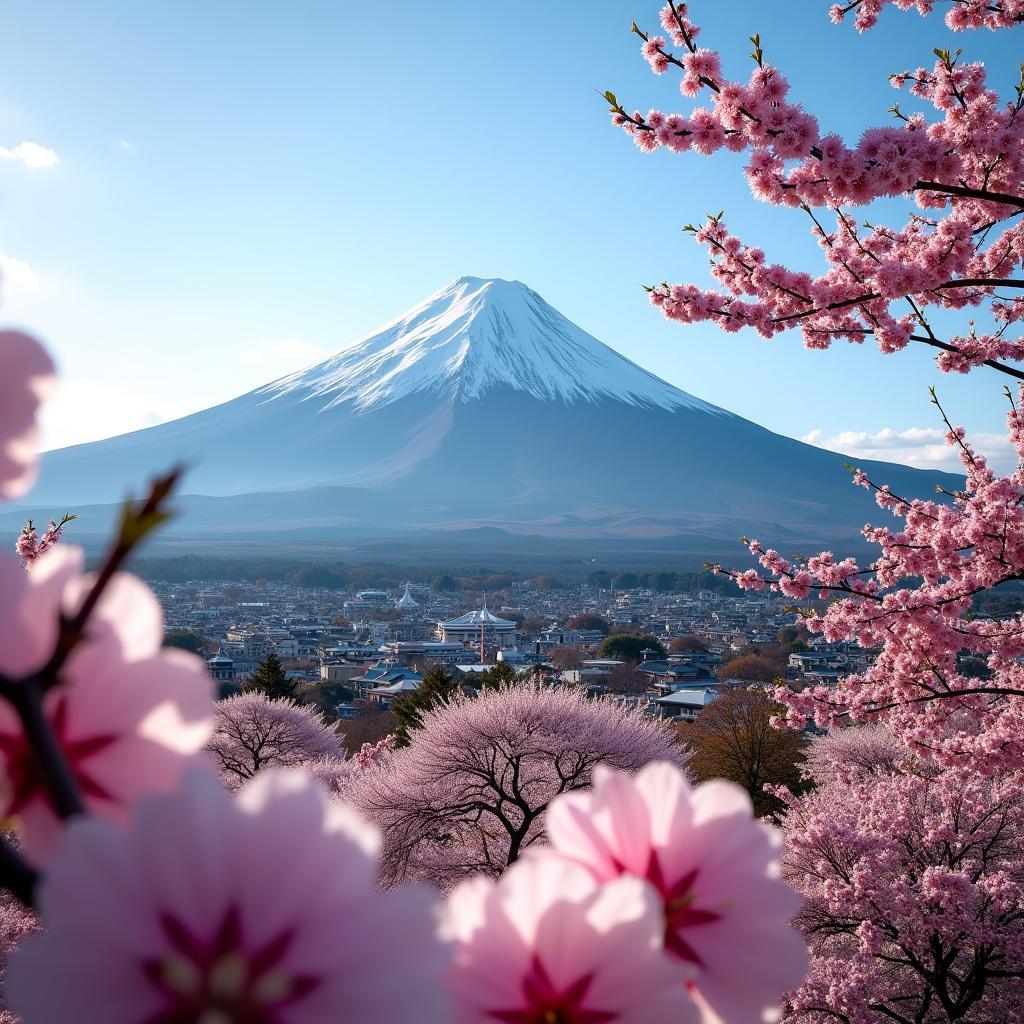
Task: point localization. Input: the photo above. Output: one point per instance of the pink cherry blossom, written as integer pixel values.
(253, 733)
(128, 715)
(912, 606)
(715, 868)
(373, 755)
(547, 943)
(961, 172)
(913, 889)
(468, 795)
(30, 546)
(953, 168)
(961, 14)
(261, 909)
(26, 375)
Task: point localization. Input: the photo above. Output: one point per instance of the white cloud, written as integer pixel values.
(282, 354)
(16, 275)
(31, 154)
(125, 146)
(923, 447)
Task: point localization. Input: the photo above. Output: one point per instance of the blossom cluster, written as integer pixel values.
(30, 545)
(963, 170)
(167, 896)
(961, 14)
(949, 683)
(912, 890)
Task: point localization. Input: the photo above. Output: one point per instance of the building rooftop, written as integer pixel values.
(482, 617)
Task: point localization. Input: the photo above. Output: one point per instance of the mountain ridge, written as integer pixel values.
(472, 336)
(482, 405)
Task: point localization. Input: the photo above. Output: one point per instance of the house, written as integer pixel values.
(383, 679)
(341, 671)
(667, 678)
(385, 695)
(685, 705)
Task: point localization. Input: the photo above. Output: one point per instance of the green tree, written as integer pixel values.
(599, 578)
(629, 646)
(436, 688)
(270, 680)
(627, 581)
(186, 640)
(227, 688)
(445, 584)
(502, 674)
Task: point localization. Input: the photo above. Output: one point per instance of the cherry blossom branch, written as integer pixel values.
(137, 522)
(26, 695)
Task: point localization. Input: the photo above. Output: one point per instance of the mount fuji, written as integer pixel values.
(481, 407)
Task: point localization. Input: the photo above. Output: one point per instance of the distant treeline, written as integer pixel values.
(345, 576)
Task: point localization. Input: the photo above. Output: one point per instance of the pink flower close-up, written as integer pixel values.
(262, 910)
(26, 374)
(547, 943)
(128, 715)
(716, 869)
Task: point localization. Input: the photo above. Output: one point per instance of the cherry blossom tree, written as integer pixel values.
(859, 750)
(913, 897)
(909, 859)
(956, 162)
(253, 733)
(960, 15)
(468, 795)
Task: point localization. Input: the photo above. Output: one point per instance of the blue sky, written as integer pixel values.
(241, 188)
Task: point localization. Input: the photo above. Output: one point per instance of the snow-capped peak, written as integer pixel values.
(476, 335)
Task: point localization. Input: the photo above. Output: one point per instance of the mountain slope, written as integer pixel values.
(483, 405)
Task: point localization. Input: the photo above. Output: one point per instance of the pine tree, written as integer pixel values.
(436, 688)
(270, 680)
(502, 674)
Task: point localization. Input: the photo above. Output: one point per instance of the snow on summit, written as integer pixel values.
(474, 336)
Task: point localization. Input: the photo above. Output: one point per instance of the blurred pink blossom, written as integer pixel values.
(261, 909)
(26, 374)
(128, 715)
(716, 869)
(547, 943)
